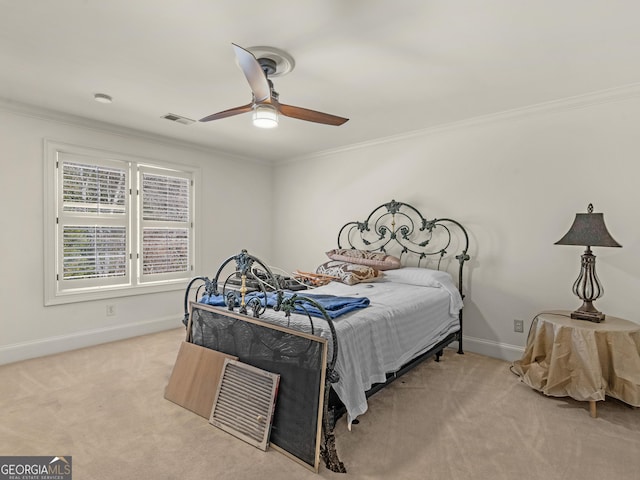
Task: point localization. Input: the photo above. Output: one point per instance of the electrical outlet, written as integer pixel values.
(518, 326)
(111, 310)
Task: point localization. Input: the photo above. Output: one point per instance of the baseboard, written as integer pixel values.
(489, 348)
(63, 343)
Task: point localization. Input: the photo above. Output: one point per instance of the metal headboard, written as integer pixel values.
(398, 228)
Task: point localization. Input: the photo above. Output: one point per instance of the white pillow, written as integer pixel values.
(425, 277)
(422, 277)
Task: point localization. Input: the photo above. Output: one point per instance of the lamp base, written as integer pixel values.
(591, 316)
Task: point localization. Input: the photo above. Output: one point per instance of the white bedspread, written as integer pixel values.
(402, 321)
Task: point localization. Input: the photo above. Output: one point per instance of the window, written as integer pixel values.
(165, 224)
(115, 225)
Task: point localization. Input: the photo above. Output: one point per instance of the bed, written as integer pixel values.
(405, 308)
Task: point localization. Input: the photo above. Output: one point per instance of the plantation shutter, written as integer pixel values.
(166, 224)
(93, 222)
(94, 251)
(93, 188)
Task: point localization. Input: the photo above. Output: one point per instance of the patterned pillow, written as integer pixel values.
(349, 273)
(378, 260)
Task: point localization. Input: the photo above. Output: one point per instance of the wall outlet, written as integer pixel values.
(518, 326)
(111, 310)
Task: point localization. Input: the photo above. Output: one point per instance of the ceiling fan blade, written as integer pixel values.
(254, 73)
(310, 115)
(228, 113)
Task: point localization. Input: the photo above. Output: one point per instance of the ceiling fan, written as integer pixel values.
(265, 104)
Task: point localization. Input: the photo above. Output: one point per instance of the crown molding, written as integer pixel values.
(610, 95)
(41, 113)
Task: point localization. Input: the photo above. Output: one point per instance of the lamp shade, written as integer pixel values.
(588, 229)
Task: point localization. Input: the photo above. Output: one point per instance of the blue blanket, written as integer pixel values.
(332, 304)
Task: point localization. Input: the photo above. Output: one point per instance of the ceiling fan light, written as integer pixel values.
(265, 116)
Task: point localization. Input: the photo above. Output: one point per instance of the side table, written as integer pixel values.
(582, 360)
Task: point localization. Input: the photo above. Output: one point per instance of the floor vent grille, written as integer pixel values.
(244, 402)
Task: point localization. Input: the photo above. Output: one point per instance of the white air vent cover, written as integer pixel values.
(245, 401)
(177, 118)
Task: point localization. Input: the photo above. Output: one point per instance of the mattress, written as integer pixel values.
(410, 311)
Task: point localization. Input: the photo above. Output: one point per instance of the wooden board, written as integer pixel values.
(195, 378)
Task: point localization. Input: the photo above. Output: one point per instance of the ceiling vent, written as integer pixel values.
(177, 118)
(245, 402)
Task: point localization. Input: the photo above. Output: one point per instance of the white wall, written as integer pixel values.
(515, 181)
(27, 327)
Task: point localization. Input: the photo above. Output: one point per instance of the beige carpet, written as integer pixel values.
(466, 417)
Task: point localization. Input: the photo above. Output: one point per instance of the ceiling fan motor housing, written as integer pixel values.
(268, 65)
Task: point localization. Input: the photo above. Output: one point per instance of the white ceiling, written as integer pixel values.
(391, 67)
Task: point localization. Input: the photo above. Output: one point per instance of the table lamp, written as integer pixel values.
(589, 230)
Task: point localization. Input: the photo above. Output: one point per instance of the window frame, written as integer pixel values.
(57, 291)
